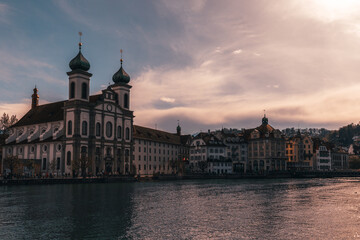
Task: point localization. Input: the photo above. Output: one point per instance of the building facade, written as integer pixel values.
(208, 155)
(155, 152)
(266, 149)
(339, 159)
(322, 152)
(299, 153)
(95, 131)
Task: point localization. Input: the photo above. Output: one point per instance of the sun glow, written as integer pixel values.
(332, 10)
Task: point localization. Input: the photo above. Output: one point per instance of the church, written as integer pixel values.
(93, 127)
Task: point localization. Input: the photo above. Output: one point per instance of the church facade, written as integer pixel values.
(92, 130)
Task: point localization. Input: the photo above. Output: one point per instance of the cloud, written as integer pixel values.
(238, 51)
(5, 10)
(168, 100)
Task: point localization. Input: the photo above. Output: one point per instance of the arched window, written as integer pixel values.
(97, 130)
(69, 127)
(84, 91)
(127, 133)
(68, 158)
(84, 128)
(72, 90)
(126, 100)
(119, 132)
(109, 129)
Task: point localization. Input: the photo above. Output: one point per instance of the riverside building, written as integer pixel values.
(266, 148)
(96, 128)
(208, 155)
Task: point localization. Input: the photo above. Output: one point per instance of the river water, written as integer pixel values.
(203, 209)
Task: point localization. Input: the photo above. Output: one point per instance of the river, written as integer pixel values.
(201, 209)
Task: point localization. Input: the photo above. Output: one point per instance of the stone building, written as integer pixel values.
(322, 152)
(236, 150)
(339, 159)
(155, 152)
(95, 129)
(208, 155)
(266, 148)
(299, 153)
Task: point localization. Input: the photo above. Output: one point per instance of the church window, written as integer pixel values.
(72, 90)
(32, 149)
(44, 148)
(58, 147)
(109, 129)
(126, 100)
(84, 91)
(69, 127)
(98, 127)
(84, 128)
(127, 133)
(119, 132)
(68, 160)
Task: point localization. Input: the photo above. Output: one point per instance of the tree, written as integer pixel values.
(6, 122)
(82, 164)
(12, 163)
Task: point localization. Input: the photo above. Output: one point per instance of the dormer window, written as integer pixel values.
(56, 129)
(43, 130)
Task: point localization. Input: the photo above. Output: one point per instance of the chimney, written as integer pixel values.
(35, 99)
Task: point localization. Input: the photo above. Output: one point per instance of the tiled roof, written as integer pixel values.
(155, 135)
(41, 114)
(210, 139)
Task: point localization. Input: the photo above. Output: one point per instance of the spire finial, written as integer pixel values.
(264, 113)
(178, 122)
(80, 43)
(121, 59)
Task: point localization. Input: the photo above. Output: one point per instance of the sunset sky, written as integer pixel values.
(209, 64)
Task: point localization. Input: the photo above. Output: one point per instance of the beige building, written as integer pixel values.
(155, 152)
(266, 148)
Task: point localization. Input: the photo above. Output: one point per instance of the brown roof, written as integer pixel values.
(155, 135)
(41, 114)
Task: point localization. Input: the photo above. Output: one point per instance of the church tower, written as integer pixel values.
(79, 77)
(35, 99)
(121, 86)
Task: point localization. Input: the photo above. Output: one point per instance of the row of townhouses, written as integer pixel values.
(96, 134)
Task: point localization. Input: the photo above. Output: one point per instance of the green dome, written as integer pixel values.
(79, 62)
(121, 76)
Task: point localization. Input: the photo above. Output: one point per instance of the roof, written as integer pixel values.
(155, 135)
(41, 114)
(184, 139)
(210, 139)
(51, 112)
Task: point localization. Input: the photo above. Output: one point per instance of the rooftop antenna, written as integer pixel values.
(155, 126)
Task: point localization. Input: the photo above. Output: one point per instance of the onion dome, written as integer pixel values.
(121, 76)
(79, 62)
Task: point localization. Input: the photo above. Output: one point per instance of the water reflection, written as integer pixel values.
(98, 211)
(218, 209)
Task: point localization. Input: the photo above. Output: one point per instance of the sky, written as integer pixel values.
(209, 64)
